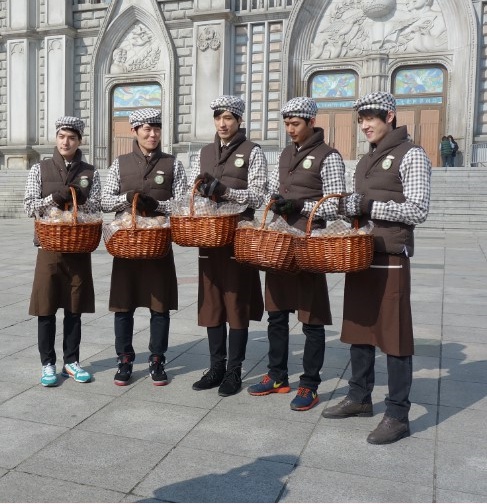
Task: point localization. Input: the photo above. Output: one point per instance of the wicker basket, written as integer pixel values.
(333, 254)
(69, 237)
(203, 231)
(267, 249)
(139, 243)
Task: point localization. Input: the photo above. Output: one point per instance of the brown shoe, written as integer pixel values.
(389, 431)
(348, 408)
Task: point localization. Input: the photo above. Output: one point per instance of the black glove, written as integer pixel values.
(82, 193)
(147, 203)
(130, 196)
(62, 197)
(365, 206)
(210, 186)
(282, 206)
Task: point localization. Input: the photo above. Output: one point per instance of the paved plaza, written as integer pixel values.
(98, 442)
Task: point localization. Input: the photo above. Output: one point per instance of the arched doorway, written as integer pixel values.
(334, 93)
(125, 99)
(420, 93)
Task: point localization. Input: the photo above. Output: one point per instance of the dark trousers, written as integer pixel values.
(237, 345)
(159, 334)
(46, 337)
(400, 377)
(314, 350)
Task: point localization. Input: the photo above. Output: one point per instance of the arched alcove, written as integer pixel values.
(457, 49)
(122, 16)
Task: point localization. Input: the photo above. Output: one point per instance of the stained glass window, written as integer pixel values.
(127, 98)
(334, 85)
(419, 80)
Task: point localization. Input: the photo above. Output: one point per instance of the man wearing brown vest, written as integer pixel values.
(392, 189)
(151, 283)
(308, 169)
(62, 280)
(230, 169)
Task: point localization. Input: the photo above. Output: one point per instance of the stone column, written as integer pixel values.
(58, 81)
(210, 79)
(58, 12)
(21, 92)
(375, 77)
(21, 14)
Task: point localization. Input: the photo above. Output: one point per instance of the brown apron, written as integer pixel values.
(228, 291)
(62, 281)
(149, 283)
(305, 292)
(377, 307)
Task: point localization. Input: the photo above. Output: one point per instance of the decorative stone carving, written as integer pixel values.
(208, 39)
(359, 27)
(136, 52)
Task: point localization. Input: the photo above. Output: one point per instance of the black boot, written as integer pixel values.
(211, 378)
(232, 382)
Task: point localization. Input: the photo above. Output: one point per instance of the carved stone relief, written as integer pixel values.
(353, 28)
(208, 39)
(136, 52)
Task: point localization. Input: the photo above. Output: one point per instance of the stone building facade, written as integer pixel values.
(100, 59)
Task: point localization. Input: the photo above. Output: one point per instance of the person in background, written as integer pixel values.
(233, 169)
(446, 151)
(151, 283)
(62, 280)
(308, 169)
(392, 189)
(454, 147)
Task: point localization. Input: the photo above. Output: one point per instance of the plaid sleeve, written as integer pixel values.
(333, 182)
(33, 201)
(415, 172)
(273, 184)
(194, 171)
(111, 199)
(254, 195)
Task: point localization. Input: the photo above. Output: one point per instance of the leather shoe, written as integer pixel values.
(389, 431)
(348, 408)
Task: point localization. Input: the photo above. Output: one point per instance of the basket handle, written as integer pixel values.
(266, 211)
(317, 205)
(134, 210)
(191, 198)
(74, 218)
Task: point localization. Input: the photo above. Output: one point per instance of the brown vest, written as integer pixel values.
(54, 174)
(376, 182)
(154, 178)
(230, 165)
(298, 182)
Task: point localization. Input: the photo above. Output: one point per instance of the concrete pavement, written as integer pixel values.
(98, 442)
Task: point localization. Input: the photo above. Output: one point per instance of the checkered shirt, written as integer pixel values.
(74, 123)
(35, 204)
(254, 195)
(112, 200)
(300, 107)
(377, 101)
(145, 116)
(333, 181)
(231, 103)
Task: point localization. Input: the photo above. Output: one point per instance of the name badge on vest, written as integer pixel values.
(84, 182)
(308, 162)
(239, 162)
(387, 163)
(159, 178)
